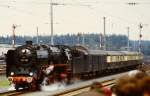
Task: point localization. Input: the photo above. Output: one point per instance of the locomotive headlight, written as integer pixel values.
(51, 67)
(31, 74)
(29, 79)
(10, 79)
(12, 73)
(26, 51)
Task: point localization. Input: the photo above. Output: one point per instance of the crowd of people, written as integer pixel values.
(135, 84)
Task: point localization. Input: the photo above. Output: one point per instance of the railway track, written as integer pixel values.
(15, 93)
(76, 91)
(70, 90)
(84, 86)
(80, 89)
(11, 93)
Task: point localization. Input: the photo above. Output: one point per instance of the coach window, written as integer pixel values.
(134, 57)
(131, 57)
(116, 58)
(126, 58)
(138, 56)
(113, 58)
(108, 59)
(122, 58)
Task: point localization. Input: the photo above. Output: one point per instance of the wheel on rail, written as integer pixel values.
(33, 86)
(17, 87)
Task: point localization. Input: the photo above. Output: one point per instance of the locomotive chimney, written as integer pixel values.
(28, 42)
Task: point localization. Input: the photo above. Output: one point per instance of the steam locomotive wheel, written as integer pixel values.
(33, 86)
(23, 86)
(17, 87)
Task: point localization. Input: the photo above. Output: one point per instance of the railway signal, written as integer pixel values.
(140, 35)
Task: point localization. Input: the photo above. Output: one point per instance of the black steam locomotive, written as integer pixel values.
(29, 65)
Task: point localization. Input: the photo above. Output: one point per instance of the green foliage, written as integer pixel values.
(4, 83)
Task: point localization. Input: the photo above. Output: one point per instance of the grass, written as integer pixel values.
(4, 83)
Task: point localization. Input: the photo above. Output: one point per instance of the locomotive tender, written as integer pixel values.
(28, 65)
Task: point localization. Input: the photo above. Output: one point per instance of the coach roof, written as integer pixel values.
(115, 53)
(97, 52)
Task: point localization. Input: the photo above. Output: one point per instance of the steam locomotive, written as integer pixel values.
(30, 65)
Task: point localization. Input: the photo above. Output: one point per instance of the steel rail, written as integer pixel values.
(14, 92)
(7, 93)
(78, 90)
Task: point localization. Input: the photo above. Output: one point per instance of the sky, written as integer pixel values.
(74, 16)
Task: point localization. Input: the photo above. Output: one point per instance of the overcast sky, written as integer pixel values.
(73, 16)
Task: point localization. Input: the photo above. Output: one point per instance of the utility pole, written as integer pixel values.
(128, 30)
(104, 33)
(51, 20)
(13, 35)
(101, 41)
(37, 40)
(140, 36)
(83, 39)
(78, 38)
